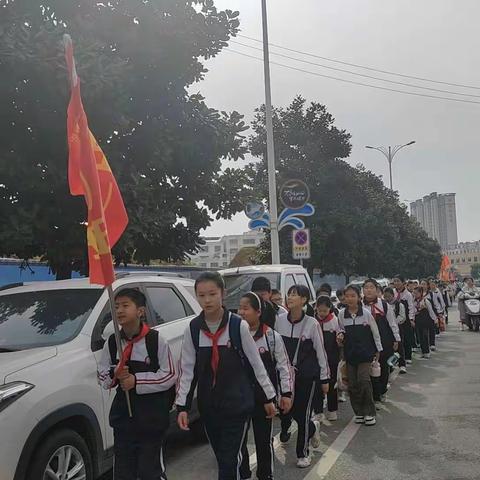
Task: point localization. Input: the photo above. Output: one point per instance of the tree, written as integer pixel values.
(137, 61)
(244, 257)
(475, 270)
(359, 226)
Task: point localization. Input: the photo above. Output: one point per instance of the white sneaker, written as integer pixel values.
(408, 362)
(331, 416)
(304, 462)
(383, 398)
(315, 440)
(370, 420)
(359, 419)
(342, 397)
(403, 370)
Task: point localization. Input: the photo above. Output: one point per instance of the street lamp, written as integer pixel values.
(389, 153)
(272, 183)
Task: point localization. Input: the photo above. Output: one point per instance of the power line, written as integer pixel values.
(353, 82)
(356, 65)
(360, 74)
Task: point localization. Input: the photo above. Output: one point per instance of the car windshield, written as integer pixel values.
(237, 285)
(50, 317)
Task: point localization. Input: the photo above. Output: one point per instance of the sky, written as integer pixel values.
(434, 39)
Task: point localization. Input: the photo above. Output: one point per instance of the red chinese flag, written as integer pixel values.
(90, 175)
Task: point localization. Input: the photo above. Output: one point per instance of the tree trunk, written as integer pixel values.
(64, 271)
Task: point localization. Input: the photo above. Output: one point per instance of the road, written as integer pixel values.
(428, 428)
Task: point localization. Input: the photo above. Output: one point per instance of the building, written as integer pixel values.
(218, 252)
(463, 256)
(437, 215)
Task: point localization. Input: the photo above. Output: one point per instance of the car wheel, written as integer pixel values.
(63, 455)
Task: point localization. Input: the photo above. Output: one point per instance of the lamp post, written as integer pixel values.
(390, 152)
(272, 183)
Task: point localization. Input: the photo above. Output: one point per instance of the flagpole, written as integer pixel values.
(118, 339)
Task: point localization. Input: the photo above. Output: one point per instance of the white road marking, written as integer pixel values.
(330, 457)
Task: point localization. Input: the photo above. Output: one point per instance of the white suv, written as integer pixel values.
(53, 413)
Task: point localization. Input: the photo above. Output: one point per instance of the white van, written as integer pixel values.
(239, 280)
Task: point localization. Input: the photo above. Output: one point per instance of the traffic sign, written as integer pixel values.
(301, 244)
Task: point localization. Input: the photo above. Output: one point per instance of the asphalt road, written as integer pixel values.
(428, 428)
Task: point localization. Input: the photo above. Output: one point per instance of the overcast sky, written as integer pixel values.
(436, 39)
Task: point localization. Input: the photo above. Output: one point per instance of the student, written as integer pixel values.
(410, 285)
(276, 298)
(275, 359)
(424, 316)
(324, 289)
(436, 297)
(340, 293)
(425, 284)
(218, 355)
(401, 318)
(303, 339)
(330, 328)
(146, 372)
(389, 334)
(362, 344)
(262, 287)
(446, 299)
(407, 329)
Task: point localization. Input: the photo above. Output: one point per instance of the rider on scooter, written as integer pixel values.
(469, 290)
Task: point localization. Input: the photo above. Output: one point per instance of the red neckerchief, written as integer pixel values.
(326, 319)
(374, 308)
(262, 331)
(127, 351)
(215, 360)
(399, 295)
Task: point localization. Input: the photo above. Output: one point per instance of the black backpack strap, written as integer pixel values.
(385, 307)
(151, 344)
(112, 348)
(234, 333)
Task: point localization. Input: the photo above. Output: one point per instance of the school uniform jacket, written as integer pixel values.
(362, 338)
(312, 361)
(275, 359)
(386, 321)
(153, 395)
(407, 298)
(438, 303)
(424, 312)
(232, 392)
(330, 329)
(400, 312)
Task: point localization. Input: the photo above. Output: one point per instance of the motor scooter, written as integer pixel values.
(472, 310)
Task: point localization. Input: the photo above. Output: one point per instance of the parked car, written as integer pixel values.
(51, 337)
(239, 280)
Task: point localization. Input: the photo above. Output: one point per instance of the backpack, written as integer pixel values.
(271, 343)
(151, 344)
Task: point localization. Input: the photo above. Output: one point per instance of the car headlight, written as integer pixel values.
(12, 391)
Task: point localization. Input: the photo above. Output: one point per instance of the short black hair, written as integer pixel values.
(254, 299)
(325, 287)
(388, 290)
(136, 296)
(354, 288)
(324, 300)
(399, 277)
(301, 290)
(261, 284)
(340, 292)
(372, 281)
(214, 277)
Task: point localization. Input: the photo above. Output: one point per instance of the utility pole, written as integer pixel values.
(272, 183)
(389, 154)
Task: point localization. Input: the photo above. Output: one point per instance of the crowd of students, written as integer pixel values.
(267, 359)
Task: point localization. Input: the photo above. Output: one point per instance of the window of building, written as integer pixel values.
(218, 248)
(214, 265)
(234, 241)
(225, 264)
(203, 265)
(249, 241)
(233, 251)
(470, 259)
(463, 260)
(475, 259)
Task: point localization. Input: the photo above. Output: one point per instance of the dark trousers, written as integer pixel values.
(332, 395)
(424, 336)
(408, 339)
(360, 389)
(380, 384)
(432, 332)
(226, 437)
(262, 432)
(302, 414)
(138, 459)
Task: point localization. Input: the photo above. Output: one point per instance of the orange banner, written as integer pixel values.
(89, 174)
(445, 273)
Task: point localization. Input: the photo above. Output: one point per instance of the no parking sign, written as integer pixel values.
(301, 244)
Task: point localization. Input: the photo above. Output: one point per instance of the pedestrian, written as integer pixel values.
(145, 372)
(361, 341)
(425, 284)
(424, 316)
(389, 334)
(303, 339)
(340, 293)
(404, 296)
(329, 322)
(277, 298)
(401, 318)
(263, 288)
(438, 303)
(220, 360)
(446, 299)
(410, 285)
(275, 359)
